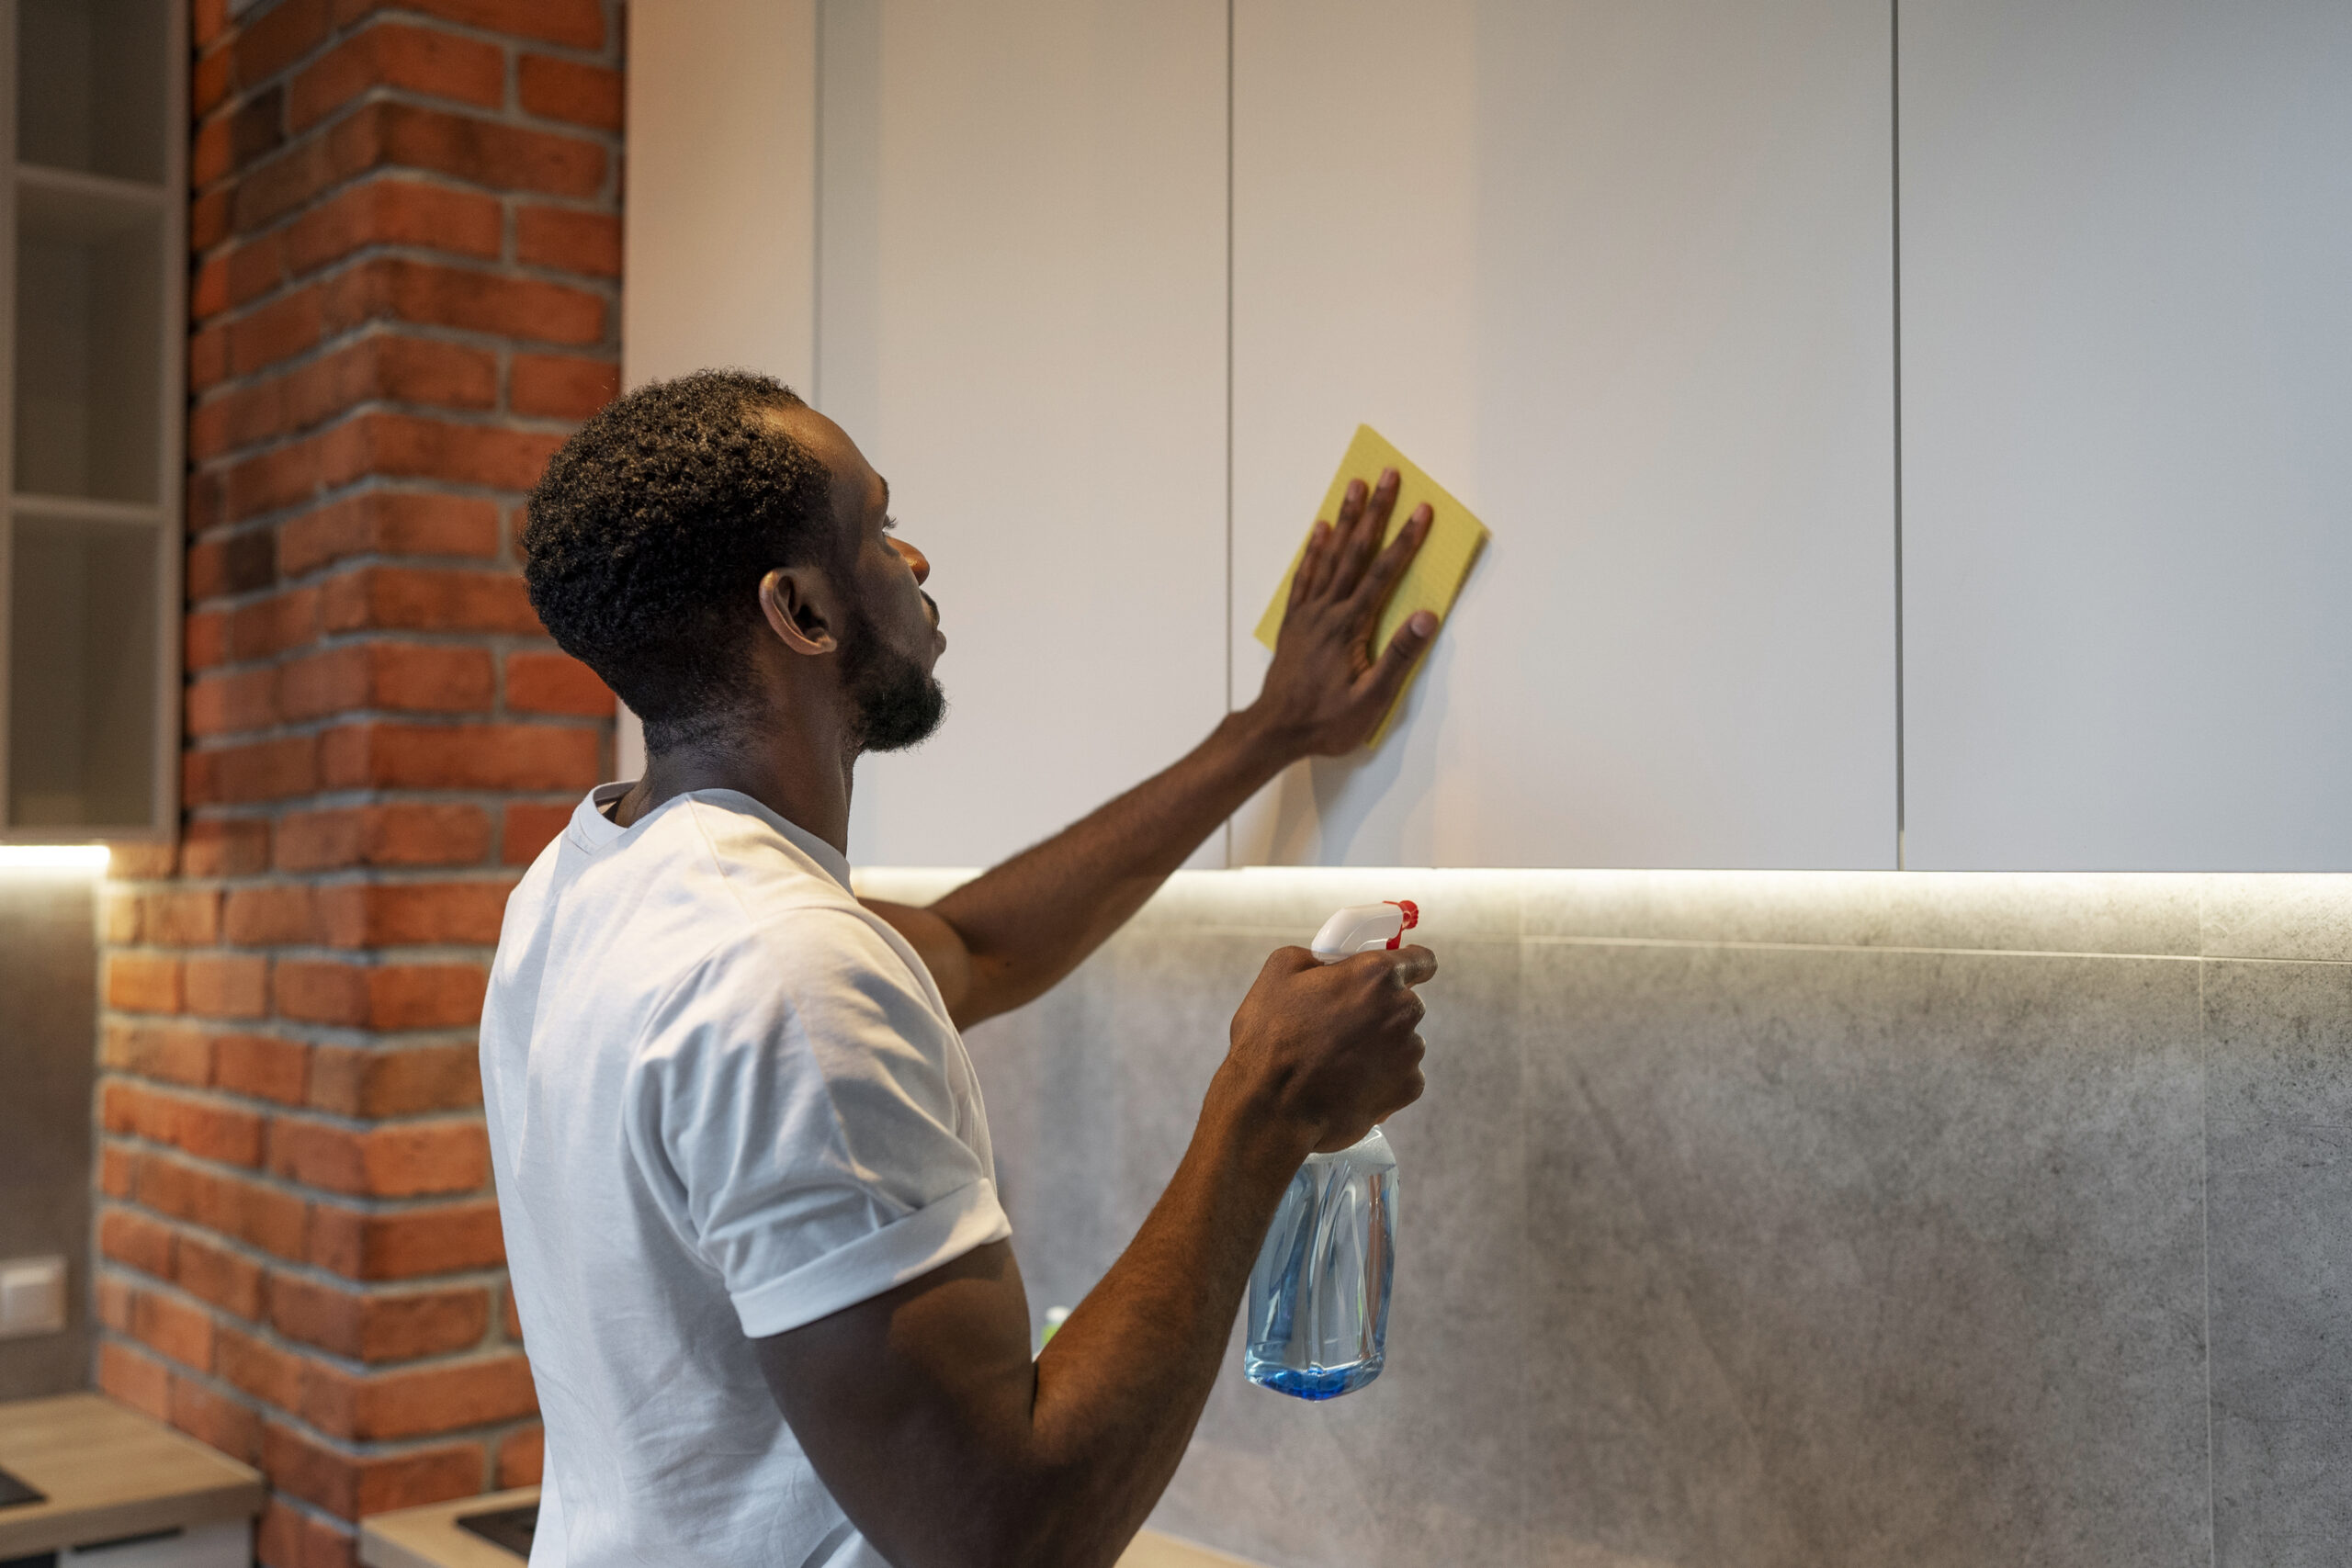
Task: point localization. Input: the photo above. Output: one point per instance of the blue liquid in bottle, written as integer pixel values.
(1318, 1297)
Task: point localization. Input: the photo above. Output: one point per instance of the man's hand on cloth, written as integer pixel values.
(1327, 689)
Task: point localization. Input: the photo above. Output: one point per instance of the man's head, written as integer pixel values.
(697, 533)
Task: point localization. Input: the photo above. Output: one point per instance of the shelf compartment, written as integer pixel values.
(91, 93)
(89, 372)
(70, 199)
(83, 662)
(75, 508)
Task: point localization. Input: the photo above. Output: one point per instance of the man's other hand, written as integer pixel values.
(1327, 687)
(1330, 1048)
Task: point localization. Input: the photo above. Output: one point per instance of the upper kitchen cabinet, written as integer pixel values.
(2127, 400)
(94, 262)
(1021, 319)
(1618, 274)
(720, 245)
(721, 239)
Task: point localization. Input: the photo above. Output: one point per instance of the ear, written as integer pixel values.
(798, 602)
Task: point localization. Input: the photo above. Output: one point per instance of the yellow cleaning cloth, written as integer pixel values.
(1437, 573)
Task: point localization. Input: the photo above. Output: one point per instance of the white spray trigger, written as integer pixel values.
(1367, 928)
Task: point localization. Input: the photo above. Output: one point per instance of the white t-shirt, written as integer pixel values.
(724, 1100)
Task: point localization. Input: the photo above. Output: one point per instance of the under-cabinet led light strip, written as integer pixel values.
(53, 859)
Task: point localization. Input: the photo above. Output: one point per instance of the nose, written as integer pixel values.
(917, 562)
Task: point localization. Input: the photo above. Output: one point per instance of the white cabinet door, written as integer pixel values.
(720, 246)
(1022, 321)
(1618, 274)
(2127, 350)
(722, 161)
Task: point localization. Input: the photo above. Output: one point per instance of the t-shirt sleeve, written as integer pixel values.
(797, 1116)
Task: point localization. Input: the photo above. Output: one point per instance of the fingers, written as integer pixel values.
(1378, 582)
(1371, 528)
(1350, 507)
(1336, 539)
(1404, 1081)
(1409, 965)
(1314, 564)
(1415, 1086)
(1396, 667)
(1339, 553)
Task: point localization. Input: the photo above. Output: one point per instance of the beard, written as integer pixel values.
(895, 701)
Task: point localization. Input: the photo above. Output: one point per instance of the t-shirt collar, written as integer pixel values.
(594, 831)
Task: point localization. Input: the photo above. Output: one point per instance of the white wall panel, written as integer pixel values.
(719, 247)
(1618, 274)
(720, 250)
(1022, 321)
(2128, 433)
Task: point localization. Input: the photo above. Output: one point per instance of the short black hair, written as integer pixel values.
(649, 533)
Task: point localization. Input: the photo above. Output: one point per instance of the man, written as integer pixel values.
(772, 1309)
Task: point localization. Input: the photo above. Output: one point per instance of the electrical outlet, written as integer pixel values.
(32, 1297)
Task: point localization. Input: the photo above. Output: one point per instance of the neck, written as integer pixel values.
(803, 778)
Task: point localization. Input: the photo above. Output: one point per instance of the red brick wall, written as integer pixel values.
(406, 248)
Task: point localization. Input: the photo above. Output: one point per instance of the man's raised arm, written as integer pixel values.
(1009, 935)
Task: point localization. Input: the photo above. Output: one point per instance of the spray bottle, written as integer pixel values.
(1318, 1297)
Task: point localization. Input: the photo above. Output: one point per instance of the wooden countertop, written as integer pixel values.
(110, 1472)
(1152, 1550)
(430, 1538)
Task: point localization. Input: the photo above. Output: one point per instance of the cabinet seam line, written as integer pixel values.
(1228, 387)
(1895, 193)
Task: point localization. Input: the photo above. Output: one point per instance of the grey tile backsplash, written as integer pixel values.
(1769, 1220)
(2278, 1131)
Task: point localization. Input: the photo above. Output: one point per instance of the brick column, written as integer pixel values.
(406, 237)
